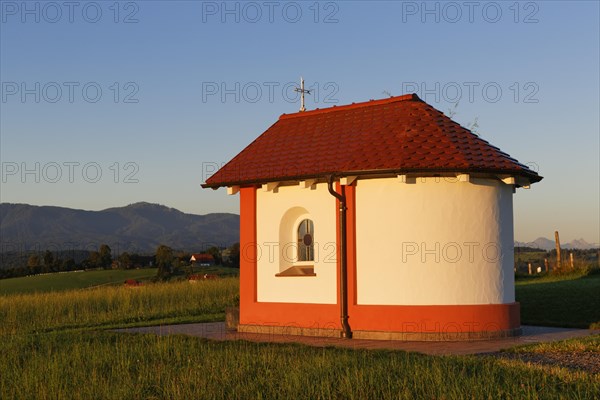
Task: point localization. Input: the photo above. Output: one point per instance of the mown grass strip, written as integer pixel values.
(572, 302)
(57, 282)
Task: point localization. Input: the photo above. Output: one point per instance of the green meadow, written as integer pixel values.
(72, 280)
(553, 300)
(89, 279)
(60, 345)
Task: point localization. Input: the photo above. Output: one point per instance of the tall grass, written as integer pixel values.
(51, 347)
(109, 306)
(126, 366)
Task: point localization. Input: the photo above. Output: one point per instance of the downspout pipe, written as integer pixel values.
(346, 331)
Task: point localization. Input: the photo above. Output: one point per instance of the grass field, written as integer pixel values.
(57, 345)
(213, 270)
(103, 365)
(554, 300)
(112, 306)
(530, 256)
(71, 280)
(86, 279)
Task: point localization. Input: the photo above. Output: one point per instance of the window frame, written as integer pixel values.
(302, 249)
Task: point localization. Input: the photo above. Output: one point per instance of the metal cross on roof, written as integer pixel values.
(301, 90)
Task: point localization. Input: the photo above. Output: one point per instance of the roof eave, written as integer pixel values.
(532, 177)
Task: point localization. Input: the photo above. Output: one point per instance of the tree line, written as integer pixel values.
(165, 259)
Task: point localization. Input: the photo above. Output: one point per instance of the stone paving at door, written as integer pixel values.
(218, 331)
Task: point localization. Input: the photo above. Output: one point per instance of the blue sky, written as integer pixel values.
(105, 104)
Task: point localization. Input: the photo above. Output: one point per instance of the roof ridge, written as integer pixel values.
(394, 99)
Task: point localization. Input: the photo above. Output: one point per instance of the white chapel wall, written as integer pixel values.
(278, 214)
(434, 242)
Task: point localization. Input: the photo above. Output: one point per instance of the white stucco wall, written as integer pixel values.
(436, 242)
(278, 214)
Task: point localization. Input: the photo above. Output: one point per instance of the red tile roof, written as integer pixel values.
(202, 257)
(396, 135)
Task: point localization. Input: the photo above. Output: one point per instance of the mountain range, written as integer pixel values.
(136, 228)
(547, 244)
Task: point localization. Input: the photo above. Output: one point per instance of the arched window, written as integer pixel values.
(306, 250)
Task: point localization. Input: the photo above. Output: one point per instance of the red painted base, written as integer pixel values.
(407, 319)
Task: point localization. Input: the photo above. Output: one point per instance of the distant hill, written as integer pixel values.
(136, 228)
(547, 244)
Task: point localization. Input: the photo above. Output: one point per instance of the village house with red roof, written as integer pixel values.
(204, 259)
(383, 220)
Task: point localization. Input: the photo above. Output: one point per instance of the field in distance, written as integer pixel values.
(71, 280)
(55, 282)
